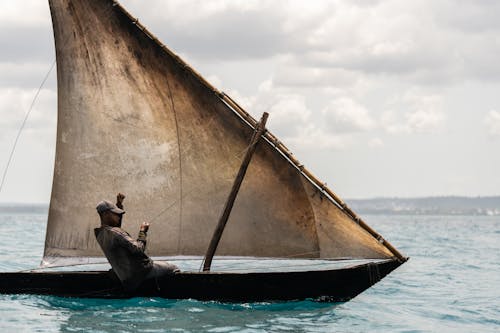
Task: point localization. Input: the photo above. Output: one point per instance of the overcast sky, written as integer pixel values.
(377, 98)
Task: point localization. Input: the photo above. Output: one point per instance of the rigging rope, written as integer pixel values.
(28, 114)
(24, 123)
(194, 188)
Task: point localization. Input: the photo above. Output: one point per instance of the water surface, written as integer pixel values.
(450, 284)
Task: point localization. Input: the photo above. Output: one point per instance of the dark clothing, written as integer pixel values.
(125, 255)
(161, 269)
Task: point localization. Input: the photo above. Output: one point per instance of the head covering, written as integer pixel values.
(105, 205)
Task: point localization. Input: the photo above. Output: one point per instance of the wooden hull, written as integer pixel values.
(328, 285)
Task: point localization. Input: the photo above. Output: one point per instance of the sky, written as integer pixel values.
(377, 98)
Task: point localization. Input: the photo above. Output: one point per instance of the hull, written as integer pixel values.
(335, 285)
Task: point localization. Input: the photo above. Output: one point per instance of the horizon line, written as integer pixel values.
(19, 203)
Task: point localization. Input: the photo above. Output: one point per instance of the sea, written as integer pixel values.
(450, 284)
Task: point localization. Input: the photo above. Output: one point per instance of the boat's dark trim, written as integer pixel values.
(331, 285)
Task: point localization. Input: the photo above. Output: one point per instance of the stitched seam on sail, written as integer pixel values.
(310, 206)
(180, 164)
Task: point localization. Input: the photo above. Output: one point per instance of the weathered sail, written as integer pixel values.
(133, 117)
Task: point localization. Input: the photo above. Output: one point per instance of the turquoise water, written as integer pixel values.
(450, 284)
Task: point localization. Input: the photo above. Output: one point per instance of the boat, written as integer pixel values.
(212, 180)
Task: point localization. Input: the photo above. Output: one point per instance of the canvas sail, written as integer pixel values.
(134, 118)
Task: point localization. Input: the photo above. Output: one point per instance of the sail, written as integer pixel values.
(134, 118)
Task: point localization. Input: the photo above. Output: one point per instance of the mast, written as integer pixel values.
(260, 128)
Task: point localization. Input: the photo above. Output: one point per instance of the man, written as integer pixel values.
(126, 255)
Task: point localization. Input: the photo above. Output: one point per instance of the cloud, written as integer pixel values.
(214, 80)
(333, 74)
(442, 41)
(418, 113)
(217, 30)
(30, 13)
(375, 143)
(346, 115)
(26, 32)
(26, 75)
(288, 113)
(291, 119)
(476, 17)
(314, 138)
(492, 121)
(423, 120)
(14, 105)
(298, 126)
(21, 44)
(298, 76)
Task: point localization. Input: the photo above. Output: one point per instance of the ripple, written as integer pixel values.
(450, 284)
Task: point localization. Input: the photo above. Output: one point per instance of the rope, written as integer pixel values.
(237, 156)
(172, 204)
(28, 114)
(23, 124)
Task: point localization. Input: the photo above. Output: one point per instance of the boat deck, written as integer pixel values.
(231, 264)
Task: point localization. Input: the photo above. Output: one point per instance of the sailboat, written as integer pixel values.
(134, 117)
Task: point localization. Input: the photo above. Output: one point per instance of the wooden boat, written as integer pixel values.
(325, 285)
(134, 117)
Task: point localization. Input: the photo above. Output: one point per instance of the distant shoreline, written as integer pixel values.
(24, 208)
(444, 205)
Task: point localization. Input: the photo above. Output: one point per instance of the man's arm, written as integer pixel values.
(134, 246)
(143, 233)
(119, 200)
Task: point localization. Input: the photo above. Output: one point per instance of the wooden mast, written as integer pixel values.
(259, 131)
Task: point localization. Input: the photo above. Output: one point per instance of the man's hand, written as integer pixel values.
(144, 226)
(119, 200)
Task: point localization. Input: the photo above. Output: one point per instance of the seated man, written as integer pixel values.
(126, 255)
